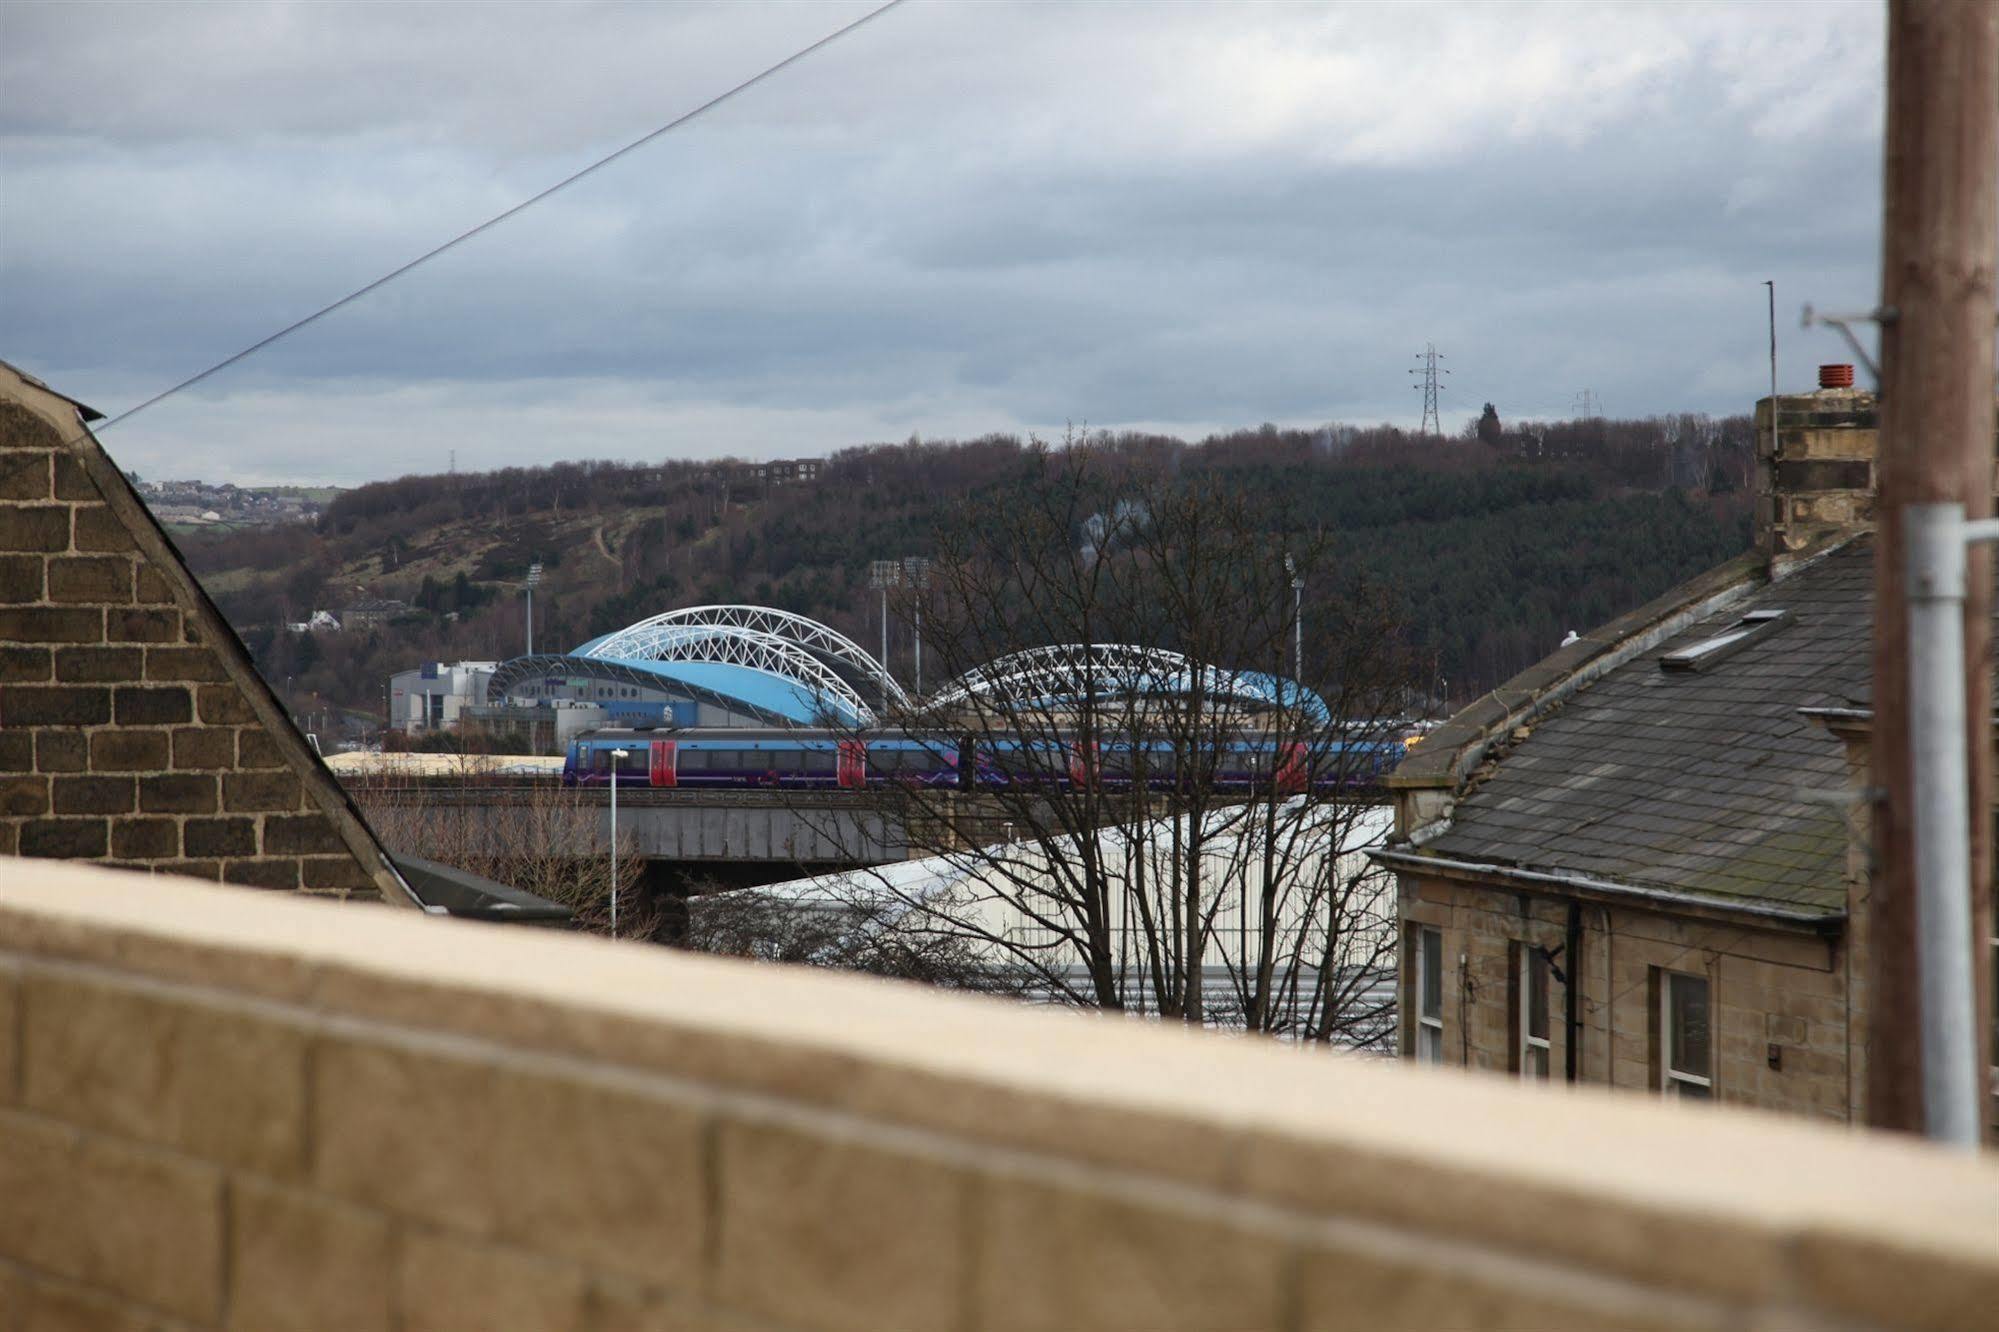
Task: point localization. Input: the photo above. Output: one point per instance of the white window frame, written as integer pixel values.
(1672, 1080)
(1525, 956)
(1428, 1045)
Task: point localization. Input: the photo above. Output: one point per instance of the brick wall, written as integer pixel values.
(221, 1109)
(1767, 987)
(133, 729)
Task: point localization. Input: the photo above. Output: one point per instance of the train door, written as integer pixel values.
(1290, 775)
(1082, 764)
(665, 763)
(852, 764)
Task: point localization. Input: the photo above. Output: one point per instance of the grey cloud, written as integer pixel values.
(963, 218)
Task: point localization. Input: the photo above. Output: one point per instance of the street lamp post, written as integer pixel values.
(617, 758)
(534, 579)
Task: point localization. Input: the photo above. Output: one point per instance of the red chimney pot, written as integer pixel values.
(1835, 376)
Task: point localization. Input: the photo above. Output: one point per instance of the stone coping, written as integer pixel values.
(1726, 1202)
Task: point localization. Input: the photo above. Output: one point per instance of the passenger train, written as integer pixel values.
(817, 759)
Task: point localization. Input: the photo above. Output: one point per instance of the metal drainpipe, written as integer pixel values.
(1572, 994)
(1952, 1097)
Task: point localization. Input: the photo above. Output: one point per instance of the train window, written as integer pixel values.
(786, 760)
(636, 762)
(600, 760)
(821, 760)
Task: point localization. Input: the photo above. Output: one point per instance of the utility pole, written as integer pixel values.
(1427, 374)
(1772, 285)
(1932, 845)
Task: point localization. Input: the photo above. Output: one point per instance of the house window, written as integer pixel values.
(1429, 996)
(1530, 980)
(1686, 1064)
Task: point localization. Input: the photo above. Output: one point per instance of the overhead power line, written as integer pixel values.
(498, 218)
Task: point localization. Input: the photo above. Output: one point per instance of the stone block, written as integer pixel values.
(98, 529)
(26, 665)
(142, 625)
(250, 792)
(151, 587)
(145, 839)
(20, 578)
(623, 1306)
(86, 579)
(1061, 1257)
(146, 705)
(58, 1306)
(26, 476)
(190, 664)
(620, 1187)
(98, 665)
(224, 705)
(61, 751)
(94, 795)
(203, 747)
(130, 1220)
(17, 751)
(220, 837)
(1433, 1287)
(23, 796)
(54, 705)
(64, 839)
(450, 1284)
(10, 1008)
(299, 1262)
(35, 527)
(261, 873)
(333, 872)
(217, 1081)
(72, 482)
(836, 1234)
(178, 793)
(256, 749)
(300, 834)
(128, 751)
(50, 624)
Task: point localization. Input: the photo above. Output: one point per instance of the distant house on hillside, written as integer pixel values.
(1642, 862)
(373, 611)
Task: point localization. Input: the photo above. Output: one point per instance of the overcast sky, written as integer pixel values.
(963, 217)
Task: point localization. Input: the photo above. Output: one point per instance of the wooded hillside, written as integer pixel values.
(1495, 546)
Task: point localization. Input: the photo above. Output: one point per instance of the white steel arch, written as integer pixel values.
(1116, 670)
(760, 637)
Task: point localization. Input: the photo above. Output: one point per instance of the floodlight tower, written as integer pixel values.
(883, 575)
(1429, 375)
(916, 572)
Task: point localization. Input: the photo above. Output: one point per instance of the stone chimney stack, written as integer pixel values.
(1816, 480)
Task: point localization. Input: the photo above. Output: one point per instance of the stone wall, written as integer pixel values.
(133, 728)
(221, 1109)
(1773, 992)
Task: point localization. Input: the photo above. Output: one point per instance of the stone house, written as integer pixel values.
(1642, 862)
(134, 729)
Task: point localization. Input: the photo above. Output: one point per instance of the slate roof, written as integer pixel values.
(1694, 781)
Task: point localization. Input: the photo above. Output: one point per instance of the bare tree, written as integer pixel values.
(542, 838)
(1165, 820)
